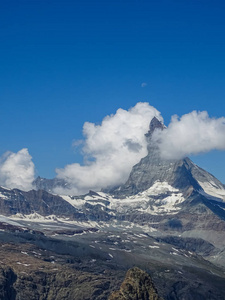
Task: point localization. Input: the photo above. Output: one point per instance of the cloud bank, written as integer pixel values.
(17, 170)
(193, 133)
(110, 149)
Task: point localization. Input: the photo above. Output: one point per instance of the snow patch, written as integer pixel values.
(168, 200)
(213, 190)
(3, 196)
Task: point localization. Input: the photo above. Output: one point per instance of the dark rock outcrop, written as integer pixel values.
(137, 285)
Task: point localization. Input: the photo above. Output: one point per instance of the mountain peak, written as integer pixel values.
(155, 124)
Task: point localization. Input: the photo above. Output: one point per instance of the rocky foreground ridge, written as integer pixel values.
(29, 272)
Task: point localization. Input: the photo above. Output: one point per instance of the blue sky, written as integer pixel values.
(67, 62)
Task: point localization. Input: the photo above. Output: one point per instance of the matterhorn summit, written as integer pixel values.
(181, 174)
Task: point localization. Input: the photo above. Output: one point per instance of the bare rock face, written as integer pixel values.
(17, 201)
(137, 285)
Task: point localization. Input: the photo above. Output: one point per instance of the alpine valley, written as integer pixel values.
(168, 219)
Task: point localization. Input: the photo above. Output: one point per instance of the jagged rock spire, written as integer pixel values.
(137, 285)
(154, 124)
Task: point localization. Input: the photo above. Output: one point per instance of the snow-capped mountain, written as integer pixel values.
(164, 204)
(155, 186)
(182, 174)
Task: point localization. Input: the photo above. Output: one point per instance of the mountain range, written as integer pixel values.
(168, 218)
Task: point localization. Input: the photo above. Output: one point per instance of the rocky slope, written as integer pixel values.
(29, 272)
(91, 266)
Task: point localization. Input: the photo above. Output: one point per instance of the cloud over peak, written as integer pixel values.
(111, 149)
(193, 133)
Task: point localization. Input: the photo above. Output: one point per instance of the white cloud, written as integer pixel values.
(17, 170)
(110, 149)
(193, 133)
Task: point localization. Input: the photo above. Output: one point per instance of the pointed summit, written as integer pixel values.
(154, 124)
